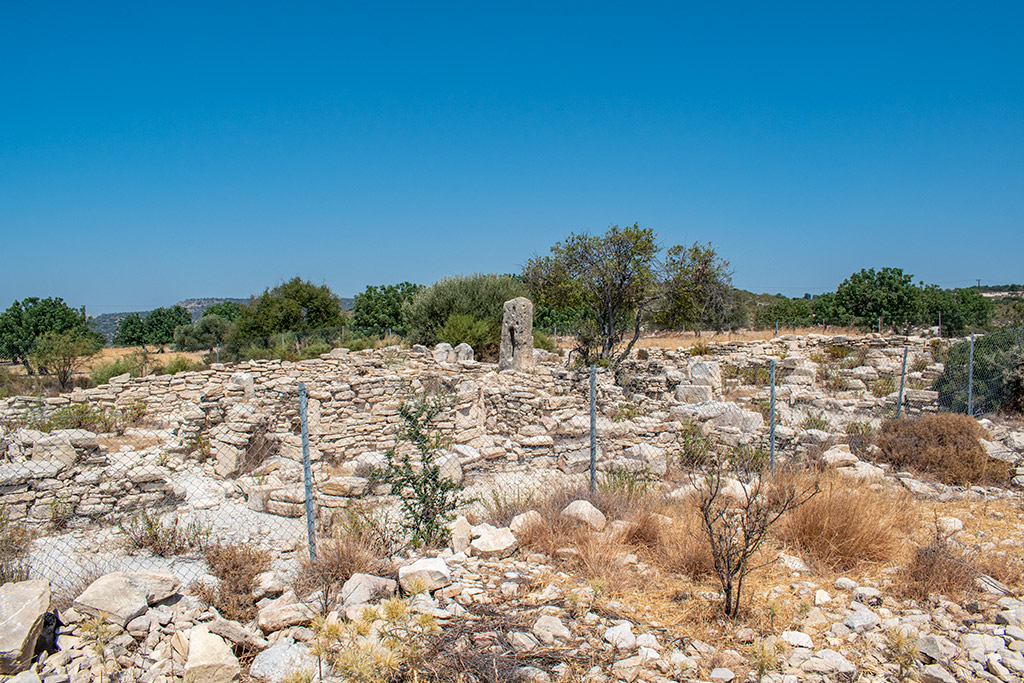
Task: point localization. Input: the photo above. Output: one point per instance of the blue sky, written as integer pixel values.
(151, 152)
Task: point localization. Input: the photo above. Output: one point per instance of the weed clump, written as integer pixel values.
(166, 539)
(236, 566)
(947, 446)
(337, 559)
(14, 544)
(939, 567)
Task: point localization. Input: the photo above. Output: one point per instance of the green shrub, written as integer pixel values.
(545, 342)
(694, 447)
(998, 367)
(135, 364)
(480, 296)
(429, 499)
(700, 349)
(815, 422)
(166, 539)
(883, 386)
(179, 364)
(361, 343)
(483, 335)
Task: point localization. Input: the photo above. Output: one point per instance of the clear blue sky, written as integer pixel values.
(151, 152)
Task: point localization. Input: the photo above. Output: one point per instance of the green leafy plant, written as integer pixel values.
(700, 349)
(429, 497)
(817, 421)
(694, 447)
(198, 444)
(883, 386)
(62, 510)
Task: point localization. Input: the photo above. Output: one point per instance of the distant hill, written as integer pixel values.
(106, 323)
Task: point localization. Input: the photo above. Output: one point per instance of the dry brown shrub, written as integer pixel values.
(848, 524)
(944, 445)
(678, 547)
(236, 566)
(939, 567)
(1003, 567)
(337, 559)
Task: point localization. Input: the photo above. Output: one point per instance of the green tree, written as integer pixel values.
(131, 331)
(25, 322)
(161, 322)
(612, 276)
(479, 296)
(292, 306)
(696, 288)
(960, 309)
(889, 294)
(205, 333)
(785, 311)
(383, 307)
(228, 310)
(826, 311)
(62, 354)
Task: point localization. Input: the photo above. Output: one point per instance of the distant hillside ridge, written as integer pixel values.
(106, 323)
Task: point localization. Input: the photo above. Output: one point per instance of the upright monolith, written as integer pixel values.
(516, 335)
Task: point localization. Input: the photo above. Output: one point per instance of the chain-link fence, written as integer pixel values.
(145, 472)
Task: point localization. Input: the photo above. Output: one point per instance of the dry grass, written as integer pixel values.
(236, 566)
(337, 559)
(946, 446)
(940, 567)
(849, 524)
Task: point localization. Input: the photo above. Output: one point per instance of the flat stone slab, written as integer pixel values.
(22, 606)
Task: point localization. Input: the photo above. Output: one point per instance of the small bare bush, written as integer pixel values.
(939, 567)
(337, 559)
(736, 526)
(236, 566)
(848, 524)
(944, 445)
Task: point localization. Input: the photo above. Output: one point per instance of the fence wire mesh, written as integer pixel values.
(145, 472)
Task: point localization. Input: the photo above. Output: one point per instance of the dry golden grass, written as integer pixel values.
(337, 559)
(848, 524)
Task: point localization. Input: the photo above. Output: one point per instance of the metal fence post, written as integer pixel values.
(970, 380)
(879, 324)
(307, 474)
(903, 378)
(593, 428)
(771, 414)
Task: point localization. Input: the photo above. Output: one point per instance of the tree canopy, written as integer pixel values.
(616, 281)
(383, 307)
(24, 324)
(292, 306)
(471, 297)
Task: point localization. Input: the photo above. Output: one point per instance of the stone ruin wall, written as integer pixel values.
(508, 422)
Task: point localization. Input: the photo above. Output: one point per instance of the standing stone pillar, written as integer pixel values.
(516, 335)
